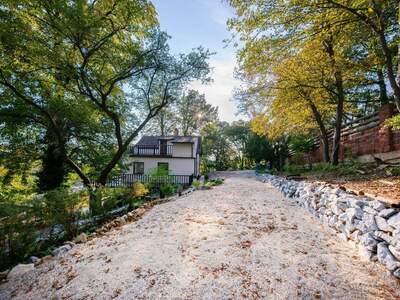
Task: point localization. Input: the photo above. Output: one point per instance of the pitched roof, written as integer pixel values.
(153, 140)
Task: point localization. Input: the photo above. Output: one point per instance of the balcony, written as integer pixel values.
(151, 150)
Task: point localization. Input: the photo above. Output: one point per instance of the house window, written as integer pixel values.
(138, 167)
(163, 166)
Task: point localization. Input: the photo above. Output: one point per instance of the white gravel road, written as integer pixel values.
(240, 240)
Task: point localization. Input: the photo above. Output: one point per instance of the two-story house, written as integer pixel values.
(180, 155)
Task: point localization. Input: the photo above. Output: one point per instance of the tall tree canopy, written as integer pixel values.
(311, 65)
(89, 75)
(188, 114)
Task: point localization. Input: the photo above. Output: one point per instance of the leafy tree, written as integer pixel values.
(164, 123)
(259, 148)
(302, 145)
(217, 152)
(280, 39)
(94, 73)
(238, 133)
(194, 112)
(381, 18)
(189, 113)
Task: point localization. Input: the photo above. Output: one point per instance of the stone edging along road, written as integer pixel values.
(370, 224)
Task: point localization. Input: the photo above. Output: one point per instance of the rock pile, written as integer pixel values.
(370, 224)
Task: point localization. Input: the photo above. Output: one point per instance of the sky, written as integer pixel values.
(193, 23)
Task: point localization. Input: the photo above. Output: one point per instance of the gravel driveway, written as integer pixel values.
(240, 240)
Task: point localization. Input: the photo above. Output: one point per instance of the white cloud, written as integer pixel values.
(219, 92)
(219, 11)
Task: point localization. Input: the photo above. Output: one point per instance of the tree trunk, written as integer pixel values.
(383, 98)
(280, 162)
(338, 131)
(380, 32)
(102, 179)
(162, 124)
(398, 55)
(340, 100)
(322, 130)
(325, 147)
(53, 166)
(394, 83)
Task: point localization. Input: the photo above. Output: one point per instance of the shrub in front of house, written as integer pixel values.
(167, 190)
(217, 181)
(139, 190)
(196, 184)
(134, 195)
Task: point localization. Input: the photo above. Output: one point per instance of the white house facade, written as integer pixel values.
(180, 155)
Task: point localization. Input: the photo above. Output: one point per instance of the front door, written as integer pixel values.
(163, 147)
(163, 166)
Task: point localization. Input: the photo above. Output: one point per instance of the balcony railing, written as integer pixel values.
(151, 150)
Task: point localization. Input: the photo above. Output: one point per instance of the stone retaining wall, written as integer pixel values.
(370, 224)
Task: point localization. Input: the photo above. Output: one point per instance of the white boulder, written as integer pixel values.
(382, 224)
(387, 213)
(386, 258)
(394, 220)
(20, 270)
(377, 205)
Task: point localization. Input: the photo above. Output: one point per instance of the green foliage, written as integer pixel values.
(208, 183)
(216, 181)
(61, 207)
(133, 196)
(92, 77)
(301, 144)
(238, 134)
(189, 114)
(217, 151)
(105, 199)
(194, 112)
(24, 219)
(139, 190)
(167, 189)
(157, 177)
(393, 122)
(196, 184)
(259, 148)
(17, 235)
(234, 146)
(306, 64)
(393, 171)
(348, 168)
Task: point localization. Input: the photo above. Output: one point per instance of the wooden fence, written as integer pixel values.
(127, 180)
(362, 136)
